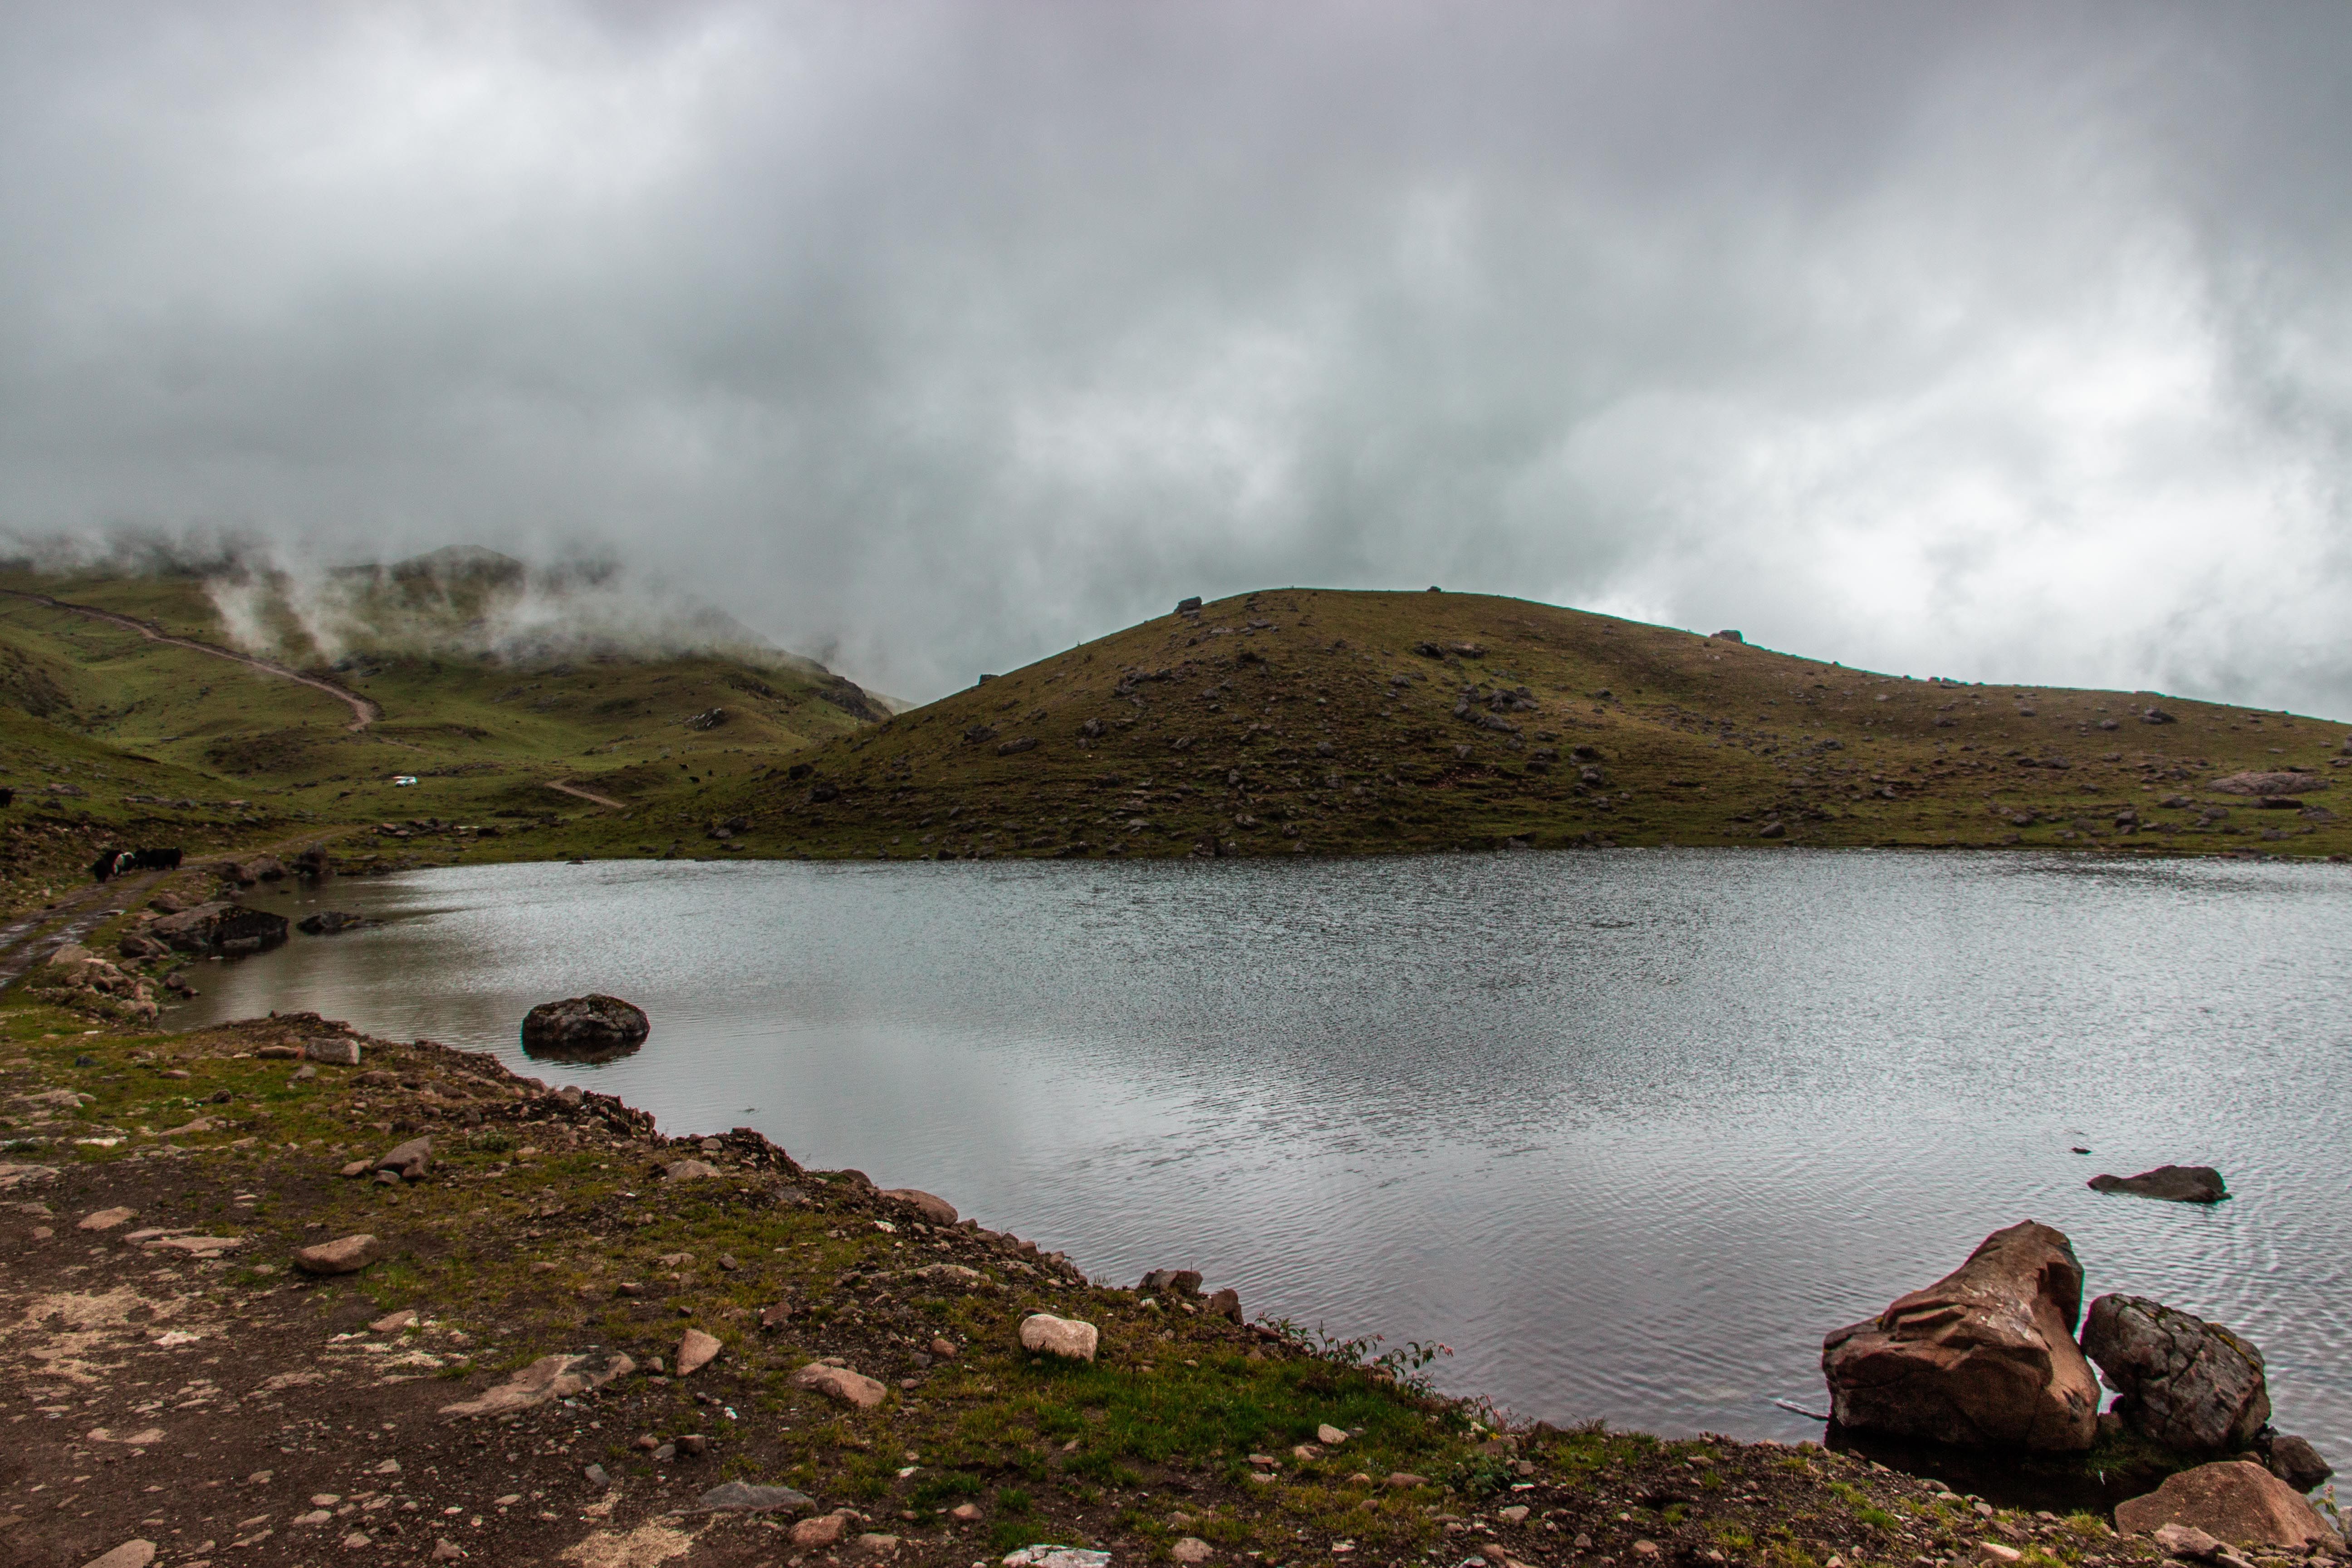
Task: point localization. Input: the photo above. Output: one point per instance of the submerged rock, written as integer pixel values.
(591, 1027)
(220, 927)
(1984, 1357)
(2173, 1184)
(2233, 1500)
(327, 922)
(2185, 1384)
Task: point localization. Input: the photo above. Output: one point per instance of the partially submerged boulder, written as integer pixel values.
(1984, 1357)
(220, 927)
(2233, 1500)
(328, 922)
(2291, 1458)
(2173, 1184)
(2185, 1384)
(591, 1027)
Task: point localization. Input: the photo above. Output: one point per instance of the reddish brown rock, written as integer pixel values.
(840, 1383)
(347, 1255)
(1984, 1357)
(2238, 1501)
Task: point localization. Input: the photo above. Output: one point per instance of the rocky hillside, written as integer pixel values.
(1303, 721)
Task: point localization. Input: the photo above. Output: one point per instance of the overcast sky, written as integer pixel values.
(2006, 343)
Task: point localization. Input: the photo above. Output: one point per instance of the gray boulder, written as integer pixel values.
(2185, 1384)
(408, 1161)
(220, 927)
(589, 1027)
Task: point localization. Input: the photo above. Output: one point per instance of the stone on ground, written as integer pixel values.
(130, 1554)
(839, 1383)
(2238, 1501)
(345, 1255)
(1331, 1436)
(2188, 1540)
(690, 1169)
(107, 1219)
(696, 1351)
(2185, 1384)
(1043, 1333)
(1191, 1548)
(822, 1530)
(393, 1323)
(1043, 1555)
(1985, 1357)
(743, 1497)
(409, 1161)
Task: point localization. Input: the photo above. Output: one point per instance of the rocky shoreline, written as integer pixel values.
(280, 1292)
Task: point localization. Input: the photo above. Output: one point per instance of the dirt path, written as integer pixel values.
(364, 711)
(588, 794)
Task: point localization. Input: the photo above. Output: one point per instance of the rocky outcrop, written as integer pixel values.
(220, 927)
(593, 1027)
(2185, 1384)
(1984, 1357)
(2173, 1184)
(2237, 1502)
(544, 1381)
(2261, 783)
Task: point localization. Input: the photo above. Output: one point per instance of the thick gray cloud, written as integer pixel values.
(2009, 342)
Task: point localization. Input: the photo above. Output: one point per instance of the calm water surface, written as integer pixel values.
(1630, 1131)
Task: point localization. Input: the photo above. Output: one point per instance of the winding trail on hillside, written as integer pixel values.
(364, 711)
(587, 795)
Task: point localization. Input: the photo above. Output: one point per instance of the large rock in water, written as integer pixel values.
(1984, 1357)
(2238, 1501)
(2186, 1383)
(220, 927)
(2173, 1184)
(589, 1027)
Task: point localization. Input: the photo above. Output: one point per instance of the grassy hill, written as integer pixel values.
(1305, 722)
(112, 737)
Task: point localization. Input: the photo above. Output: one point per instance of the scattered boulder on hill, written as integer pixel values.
(2234, 1500)
(328, 922)
(588, 1028)
(1172, 1281)
(2260, 785)
(1984, 1357)
(2173, 1184)
(2185, 1384)
(408, 1161)
(1729, 636)
(2155, 716)
(220, 927)
(1043, 1333)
